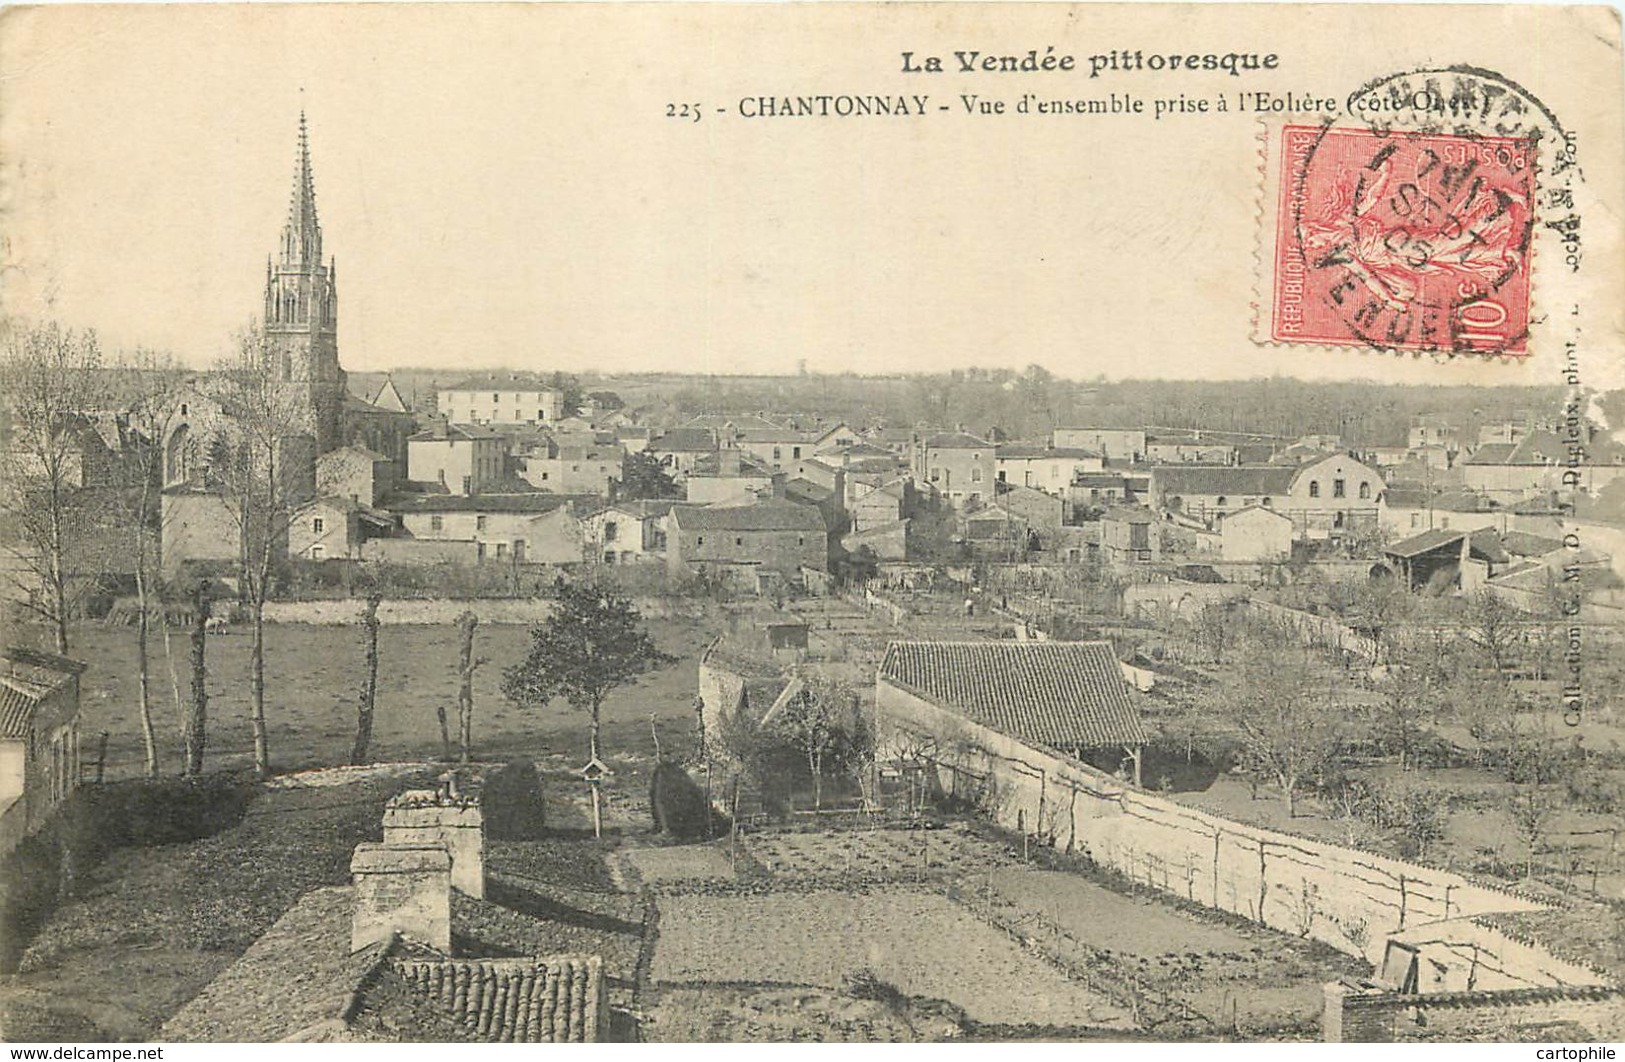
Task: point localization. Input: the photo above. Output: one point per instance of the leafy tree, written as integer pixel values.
(1409, 698)
(569, 386)
(855, 567)
(643, 477)
(50, 378)
(1495, 628)
(593, 643)
(1531, 810)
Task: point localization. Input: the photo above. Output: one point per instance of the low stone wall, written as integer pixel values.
(440, 611)
(1535, 1014)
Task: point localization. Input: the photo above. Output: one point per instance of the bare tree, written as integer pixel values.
(262, 461)
(820, 722)
(1291, 728)
(149, 419)
(1495, 628)
(51, 382)
(196, 734)
(369, 683)
(467, 664)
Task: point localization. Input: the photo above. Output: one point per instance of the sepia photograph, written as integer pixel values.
(838, 523)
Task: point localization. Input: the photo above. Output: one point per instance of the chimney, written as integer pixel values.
(404, 889)
(448, 818)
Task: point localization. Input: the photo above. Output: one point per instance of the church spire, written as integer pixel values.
(302, 236)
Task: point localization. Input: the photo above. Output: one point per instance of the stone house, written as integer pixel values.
(573, 469)
(1130, 536)
(39, 739)
(627, 532)
(730, 477)
(771, 537)
(332, 528)
(1255, 535)
(679, 449)
(462, 459)
(957, 466)
(356, 472)
(1040, 510)
(872, 506)
(1119, 446)
(1043, 468)
(1327, 496)
(516, 528)
(1539, 461)
(501, 398)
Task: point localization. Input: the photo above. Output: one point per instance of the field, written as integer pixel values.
(924, 944)
(865, 855)
(314, 680)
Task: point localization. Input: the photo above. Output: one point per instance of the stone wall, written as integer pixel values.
(1351, 900)
(440, 611)
(1540, 1014)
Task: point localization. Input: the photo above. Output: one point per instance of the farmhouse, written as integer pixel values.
(1119, 446)
(628, 531)
(521, 528)
(730, 477)
(678, 449)
(39, 739)
(331, 527)
(1128, 535)
(1066, 696)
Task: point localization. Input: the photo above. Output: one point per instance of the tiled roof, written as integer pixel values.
(956, 440)
(538, 502)
(1061, 694)
(1426, 542)
(1224, 479)
(684, 440)
(772, 514)
(440, 431)
(298, 974)
(519, 1001)
(1021, 451)
(749, 467)
(1491, 454)
(1526, 545)
(501, 381)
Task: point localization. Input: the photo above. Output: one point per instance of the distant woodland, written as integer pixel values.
(1027, 404)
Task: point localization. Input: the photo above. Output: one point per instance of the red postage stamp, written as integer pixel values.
(1403, 240)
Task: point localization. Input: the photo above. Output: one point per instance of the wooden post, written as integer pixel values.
(101, 757)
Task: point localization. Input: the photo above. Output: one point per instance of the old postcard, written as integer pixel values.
(833, 522)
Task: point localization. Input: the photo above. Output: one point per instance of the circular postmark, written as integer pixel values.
(1413, 229)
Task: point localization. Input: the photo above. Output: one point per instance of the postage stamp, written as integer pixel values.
(1413, 240)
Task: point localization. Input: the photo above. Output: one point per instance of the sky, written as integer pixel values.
(503, 187)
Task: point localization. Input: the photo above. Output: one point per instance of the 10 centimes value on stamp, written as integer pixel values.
(1412, 223)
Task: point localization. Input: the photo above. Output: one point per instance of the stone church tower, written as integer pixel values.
(302, 314)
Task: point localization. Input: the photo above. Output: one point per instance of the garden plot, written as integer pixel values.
(681, 865)
(922, 943)
(1230, 974)
(877, 855)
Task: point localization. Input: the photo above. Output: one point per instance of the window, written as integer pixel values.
(778, 452)
(1416, 519)
(468, 484)
(801, 540)
(795, 452)
(1339, 488)
(936, 474)
(1314, 488)
(479, 523)
(541, 414)
(1266, 503)
(437, 522)
(699, 540)
(1365, 491)
(502, 549)
(739, 540)
(495, 399)
(544, 476)
(316, 526)
(1222, 501)
(976, 474)
(183, 409)
(317, 553)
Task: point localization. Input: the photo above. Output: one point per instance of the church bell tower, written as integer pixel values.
(301, 312)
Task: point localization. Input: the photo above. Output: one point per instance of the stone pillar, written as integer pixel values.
(1331, 1013)
(403, 889)
(427, 816)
